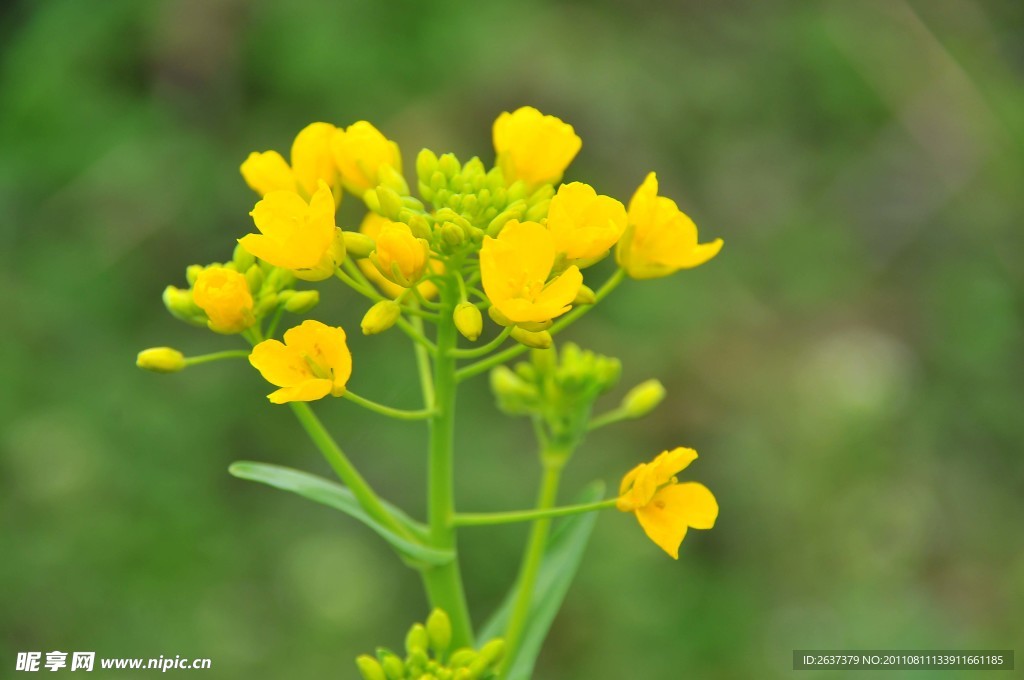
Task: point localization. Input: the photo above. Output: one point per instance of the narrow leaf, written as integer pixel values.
(335, 496)
(558, 568)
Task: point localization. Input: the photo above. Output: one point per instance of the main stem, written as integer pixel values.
(444, 583)
(530, 567)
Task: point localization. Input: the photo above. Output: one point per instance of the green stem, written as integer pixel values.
(444, 583)
(476, 519)
(400, 414)
(423, 365)
(512, 352)
(530, 565)
(355, 280)
(217, 356)
(416, 335)
(483, 349)
(347, 472)
(609, 418)
(274, 320)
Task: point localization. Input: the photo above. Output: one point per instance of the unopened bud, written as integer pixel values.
(357, 245)
(419, 226)
(370, 668)
(468, 320)
(417, 639)
(301, 301)
(380, 317)
(393, 666)
(585, 296)
(392, 179)
(452, 234)
(254, 276)
(462, 657)
(181, 305)
(439, 630)
(449, 165)
(643, 398)
(426, 164)
(390, 203)
(161, 360)
(535, 339)
(192, 272)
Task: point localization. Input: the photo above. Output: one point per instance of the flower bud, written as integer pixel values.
(417, 639)
(161, 360)
(468, 320)
(390, 202)
(392, 179)
(254, 277)
(493, 652)
(242, 258)
(462, 657)
(452, 234)
(380, 317)
(393, 666)
(301, 301)
(449, 165)
(370, 668)
(426, 164)
(439, 630)
(535, 339)
(357, 245)
(585, 296)
(643, 398)
(181, 305)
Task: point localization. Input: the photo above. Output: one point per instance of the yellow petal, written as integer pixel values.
(666, 528)
(266, 172)
(310, 390)
(670, 463)
(692, 501)
(583, 223)
(557, 296)
(326, 347)
(360, 151)
(280, 365)
(533, 147)
(312, 159)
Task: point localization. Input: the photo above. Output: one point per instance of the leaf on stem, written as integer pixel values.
(338, 497)
(561, 560)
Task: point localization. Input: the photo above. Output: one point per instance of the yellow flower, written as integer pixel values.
(312, 161)
(225, 297)
(400, 256)
(297, 235)
(360, 151)
(664, 507)
(313, 362)
(584, 224)
(533, 147)
(371, 227)
(515, 268)
(661, 239)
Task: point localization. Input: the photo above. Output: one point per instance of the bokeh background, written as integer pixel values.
(849, 367)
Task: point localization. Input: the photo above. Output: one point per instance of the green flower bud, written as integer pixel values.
(370, 668)
(393, 666)
(419, 226)
(538, 211)
(254, 276)
(392, 179)
(643, 398)
(449, 165)
(181, 305)
(439, 630)
(242, 258)
(426, 164)
(301, 301)
(462, 657)
(585, 296)
(493, 652)
(371, 201)
(357, 245)
(417, 639)
(192, 272)
(452, 234)
(468, 320)
(380, 317)
(390, 202)
(264, 304)
(161, 360)
(537, 340)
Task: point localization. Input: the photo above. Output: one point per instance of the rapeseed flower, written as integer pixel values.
(533, 147)
(312, 362)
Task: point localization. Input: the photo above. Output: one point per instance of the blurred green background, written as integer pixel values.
(849, 367)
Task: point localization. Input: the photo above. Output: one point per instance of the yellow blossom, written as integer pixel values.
(583, 223)
(360, 151)
(400, 256)
(515, 268)
(225, 297)
(661, 239)
(312, 161)
(371, 227)
(533, 147)
(297, 235)
(664, 507)
(312, 362)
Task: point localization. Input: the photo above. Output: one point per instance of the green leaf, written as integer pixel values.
(558, 568)
(335, 496)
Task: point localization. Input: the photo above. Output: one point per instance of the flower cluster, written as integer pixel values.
(509, 242)
(429, 656)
